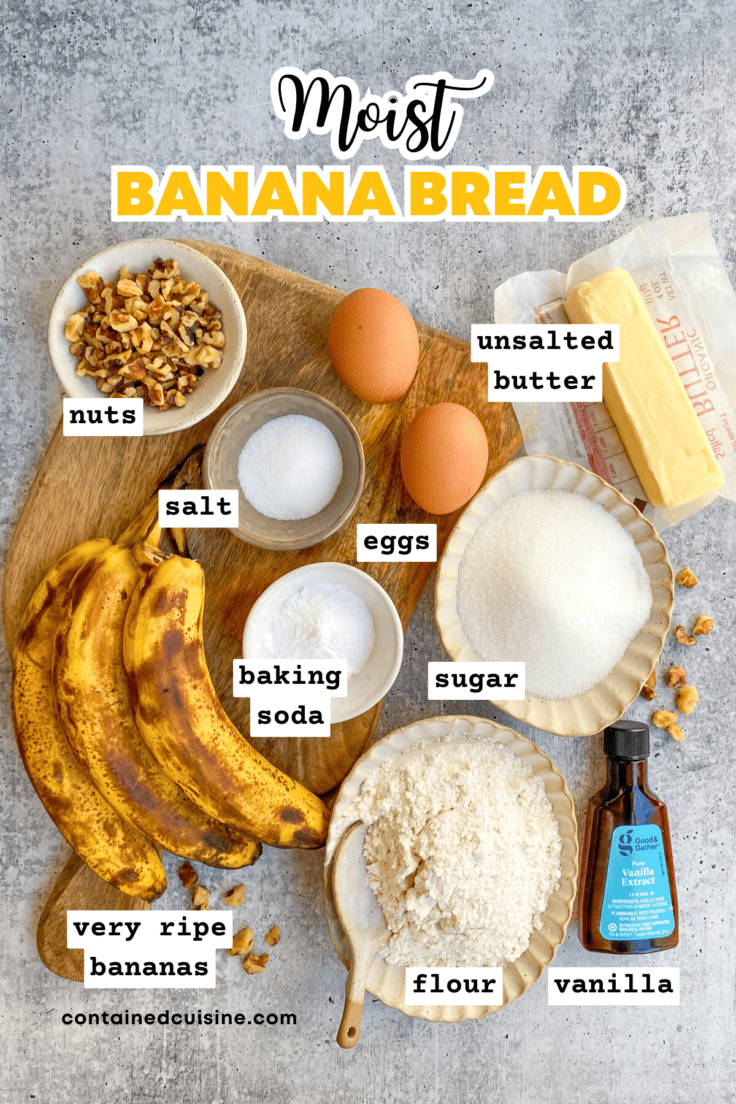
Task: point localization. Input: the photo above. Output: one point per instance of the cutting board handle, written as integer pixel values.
(77, 887)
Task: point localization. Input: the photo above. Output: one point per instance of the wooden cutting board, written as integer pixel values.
(92, 486)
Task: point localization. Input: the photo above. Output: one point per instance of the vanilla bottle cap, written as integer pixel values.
(627, 740)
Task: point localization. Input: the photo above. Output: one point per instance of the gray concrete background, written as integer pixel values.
(646, 89)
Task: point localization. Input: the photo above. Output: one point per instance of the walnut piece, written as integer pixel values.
(662, 718)
(683, 638)
(234, 896)
(675, 732)
(121, 321)
(686, 578)
(687, 699)
(703, 625)
(167, 321)
(273, 936)
(676, 676)
(74, 326)
(255, 964)
(188, 875)
(242, 942)
(647, 691)
(201, 898)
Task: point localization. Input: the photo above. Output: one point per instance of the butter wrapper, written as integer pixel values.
(685, 287)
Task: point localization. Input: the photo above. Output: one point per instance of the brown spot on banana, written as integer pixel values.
(95, 710)
(113, 848)
(291, 816)
(182, 721)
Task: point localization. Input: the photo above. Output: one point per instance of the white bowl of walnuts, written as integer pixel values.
(151, 319)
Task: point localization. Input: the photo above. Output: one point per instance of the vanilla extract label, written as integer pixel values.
(603, 985)
(532, 363)
(637, 899)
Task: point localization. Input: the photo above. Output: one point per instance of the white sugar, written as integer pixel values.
(290, 468)
(553, 580)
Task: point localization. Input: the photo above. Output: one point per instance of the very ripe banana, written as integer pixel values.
(181, 719)
(112, 847)
(94, 707)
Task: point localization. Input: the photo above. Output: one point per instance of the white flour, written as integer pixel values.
(463, 852)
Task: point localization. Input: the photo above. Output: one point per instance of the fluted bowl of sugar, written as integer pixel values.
(297, 462)
(331, 610)
(551, 566)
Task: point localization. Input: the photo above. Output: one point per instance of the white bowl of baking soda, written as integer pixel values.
(331, 610)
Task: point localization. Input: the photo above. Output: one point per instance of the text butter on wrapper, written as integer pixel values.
(645, 396)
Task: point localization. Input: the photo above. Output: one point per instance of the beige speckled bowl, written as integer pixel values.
(387, 982)
(214, 386)
(587, 713)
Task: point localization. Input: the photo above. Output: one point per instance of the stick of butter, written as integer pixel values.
(645, 396)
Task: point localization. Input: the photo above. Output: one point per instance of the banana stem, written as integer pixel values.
(179, 537)
(185, 474)
(146, 553)
(144, 526)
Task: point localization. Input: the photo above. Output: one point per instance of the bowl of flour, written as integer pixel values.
(551, 566)
(471, 851)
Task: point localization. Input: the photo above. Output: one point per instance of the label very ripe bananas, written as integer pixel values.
(158, 950)
(290, 697)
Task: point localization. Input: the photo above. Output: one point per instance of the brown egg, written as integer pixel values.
(374, 345)
(444, 456)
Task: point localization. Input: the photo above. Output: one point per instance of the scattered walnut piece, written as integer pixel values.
(255, 964)
(687, 699)
(201, 898)
(189, 876)
(676, 676)
(234, 896)
(682, 636)
(242, 942)
(662, 718)
(647, 691)
(273, 936)
(686, 578)
(675, 732)
(703, 625)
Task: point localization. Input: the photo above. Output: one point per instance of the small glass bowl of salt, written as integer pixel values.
(297, 462)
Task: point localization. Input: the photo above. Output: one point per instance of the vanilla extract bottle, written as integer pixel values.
(628, 898)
